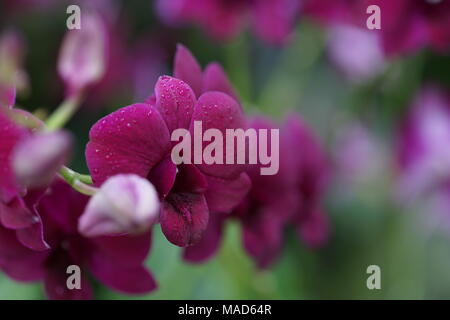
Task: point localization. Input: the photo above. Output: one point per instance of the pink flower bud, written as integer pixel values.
(125, 203)
(82, 57)
(37, 158)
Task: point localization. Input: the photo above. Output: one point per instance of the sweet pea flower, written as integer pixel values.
(117, 262)
(17, 204)
(406, 25)
(137, 139)
(124, 204)
(272, 20)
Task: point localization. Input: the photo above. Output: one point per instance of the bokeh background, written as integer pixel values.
(356, 118)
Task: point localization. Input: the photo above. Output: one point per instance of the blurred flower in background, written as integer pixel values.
(271, 20)
(362, 150)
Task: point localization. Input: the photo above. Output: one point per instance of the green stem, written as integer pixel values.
(80, 182)
(63, 113)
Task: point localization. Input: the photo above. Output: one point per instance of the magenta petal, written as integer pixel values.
(130, 140)
(10, 134)
(55, 280)
(175, 101)
(56, 289)
(184, 218)
(219, 111)
(262, 238)
(186, 68)
(124, 250)
(210, 242)
(17, 261)
(15, 214)
(33, 236)
(163, 176)
(117, 262)
(314, 229)
(224, 195)
(128, 279)
(215, 79)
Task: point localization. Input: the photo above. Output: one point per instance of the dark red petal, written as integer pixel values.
(55, 281)
(224, 195)
(17, 261)
(215, 79)
(186, 68)
(190, 179)
(163, 176)
(15, 214)
(124, 250)
(33, 237)
(210, 242)
(218, 110)
(184, 218)
(130, 140)
(175, 101)
(131, 279)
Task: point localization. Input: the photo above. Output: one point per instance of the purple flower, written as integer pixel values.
(272, 20)
(312, 174)
(423, 160)
(274, 202)
(364, 61)
(270, 204)
(116, 262)
(17, 204)
(406, 25)
(136, 139)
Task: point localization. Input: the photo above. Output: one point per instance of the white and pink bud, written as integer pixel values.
(125, 204)
(83, 54)
(37, 158)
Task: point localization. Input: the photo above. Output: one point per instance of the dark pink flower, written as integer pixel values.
(272, 20)
(116, 262)
(136, 139)
(17, 204)
(270, 204)
(312, 174)
(406, 25)
(291, 197)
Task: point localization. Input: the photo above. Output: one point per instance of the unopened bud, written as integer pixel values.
(37, 159)
(82, 57)
(125, 203)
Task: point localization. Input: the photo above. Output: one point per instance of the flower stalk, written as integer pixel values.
(80, 182)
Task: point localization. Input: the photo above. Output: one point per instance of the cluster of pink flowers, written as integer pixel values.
(52, 218)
